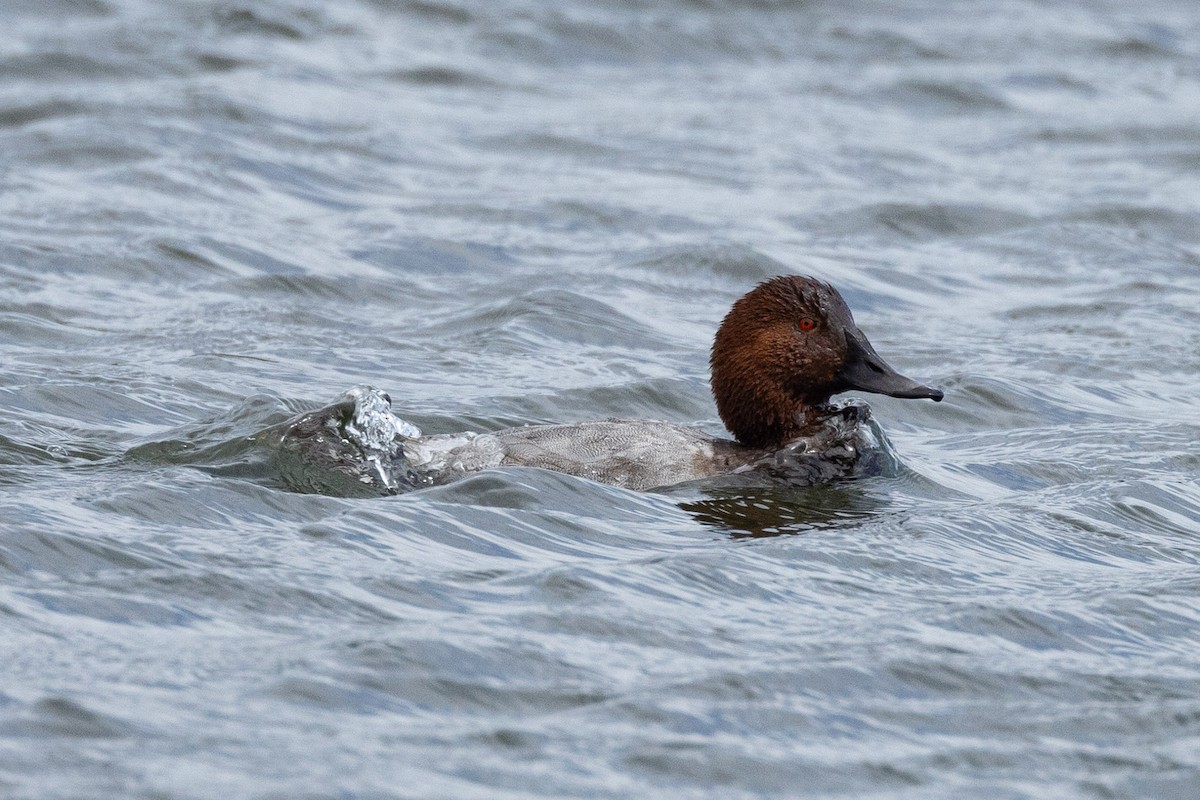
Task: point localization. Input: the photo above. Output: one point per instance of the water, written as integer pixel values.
(215, 215)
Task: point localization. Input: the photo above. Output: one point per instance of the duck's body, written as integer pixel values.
(780, 353)
(646, 454)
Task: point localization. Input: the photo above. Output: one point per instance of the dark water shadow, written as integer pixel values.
(227, 445)
(747, 512)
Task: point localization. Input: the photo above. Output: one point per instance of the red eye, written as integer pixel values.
(807, 324)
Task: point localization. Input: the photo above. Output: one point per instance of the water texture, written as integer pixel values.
(215, 215)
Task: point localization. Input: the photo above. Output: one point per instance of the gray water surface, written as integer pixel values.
(217, 214)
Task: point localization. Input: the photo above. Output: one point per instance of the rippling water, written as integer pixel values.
(214, 215)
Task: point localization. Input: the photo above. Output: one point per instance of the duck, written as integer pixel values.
(782, 352)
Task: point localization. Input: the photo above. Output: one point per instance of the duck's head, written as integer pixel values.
(785, 348)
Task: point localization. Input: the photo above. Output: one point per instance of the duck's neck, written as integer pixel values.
(764, 417)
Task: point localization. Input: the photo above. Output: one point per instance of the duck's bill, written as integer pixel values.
(866, 371)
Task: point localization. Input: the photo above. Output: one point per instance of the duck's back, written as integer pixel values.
(634, 453)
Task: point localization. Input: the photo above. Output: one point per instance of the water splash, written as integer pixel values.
(373, 425)
(351, 447)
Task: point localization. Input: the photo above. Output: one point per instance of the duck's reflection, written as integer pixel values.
(742, 512)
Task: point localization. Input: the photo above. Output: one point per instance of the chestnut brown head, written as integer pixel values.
(786, 346)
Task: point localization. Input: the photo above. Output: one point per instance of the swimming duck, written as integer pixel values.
(779, 355)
